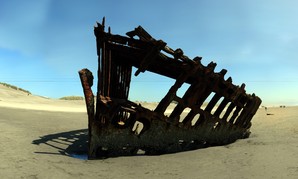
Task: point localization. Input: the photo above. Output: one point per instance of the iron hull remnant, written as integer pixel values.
(118, 126)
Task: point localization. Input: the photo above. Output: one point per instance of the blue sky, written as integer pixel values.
(43, 43)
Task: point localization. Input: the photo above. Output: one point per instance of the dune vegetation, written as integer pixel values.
(72, 98)
(15, 87)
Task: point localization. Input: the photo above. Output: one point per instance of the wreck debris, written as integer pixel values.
(121, 127)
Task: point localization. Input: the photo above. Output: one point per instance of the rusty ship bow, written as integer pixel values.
(118, 126)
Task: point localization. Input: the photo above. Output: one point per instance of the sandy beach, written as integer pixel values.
(42, 138)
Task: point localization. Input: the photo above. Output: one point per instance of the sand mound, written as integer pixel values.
(19, 99)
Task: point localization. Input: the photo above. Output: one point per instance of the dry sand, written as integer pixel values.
(38, 140)
(18, 99)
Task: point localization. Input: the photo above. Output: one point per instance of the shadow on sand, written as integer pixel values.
(72, 143)
(75, 144)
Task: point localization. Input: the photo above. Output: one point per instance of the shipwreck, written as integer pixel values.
(118, 126)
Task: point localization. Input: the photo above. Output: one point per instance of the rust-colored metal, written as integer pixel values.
(121, 127)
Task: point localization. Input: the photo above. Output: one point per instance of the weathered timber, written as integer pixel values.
(118, 126)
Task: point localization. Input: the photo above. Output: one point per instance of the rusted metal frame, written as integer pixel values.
(201, 120)
(101, 65)
(237, 107)
(212, 102)
(180, 107)
(231, 94)
(188, 118)
(251, 107)
(118, 111)
(104, 54)
(226, 99)
(171, 95)
(228, 111)
(110, 109)
(100, 45)
(221, 107)
(127, 79)
(120, 83)
(218, 111)
(125, 72)
(127, 42)
(204, 115)
(107, 73)
(104, 72)
(114, 78)
(87, 82)
(117, 39)
(116, 83)
(175, 115)
(235, 114)
(119, 80)
(181, 56)
(109, 39)
(257, 103)
(123, 81)
(191, 96)
(171, 65)
(248, 105)
(150, 57)
(187, 96)
(109, 68)
(193, 107)
(206, 88)
(221, 92)
(223, 87)
(141, 33)
(217, 80)
(185, 103)
(145, 36)
(160, 45)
